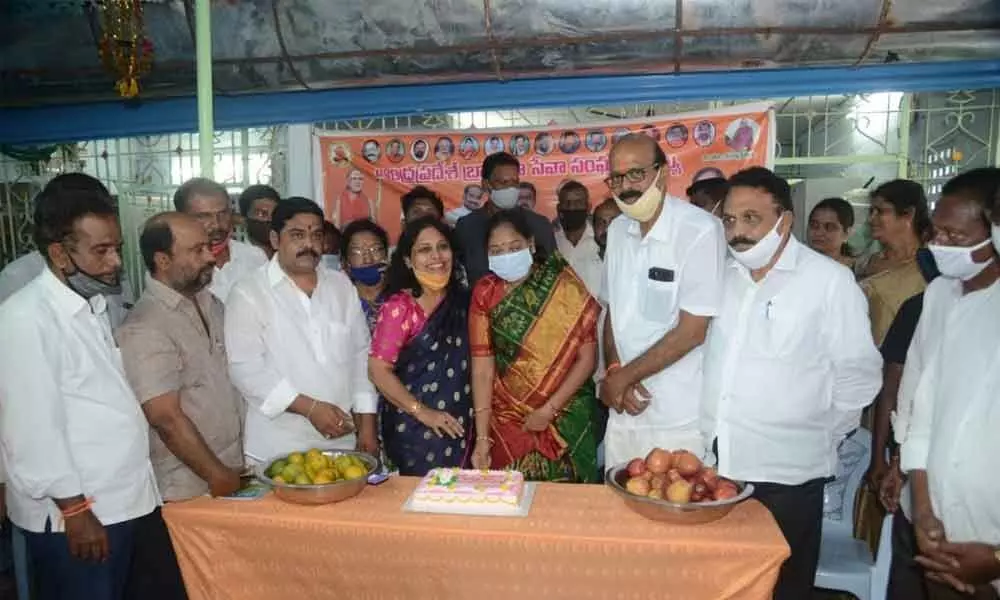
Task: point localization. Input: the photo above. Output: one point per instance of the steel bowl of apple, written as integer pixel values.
(675, 487)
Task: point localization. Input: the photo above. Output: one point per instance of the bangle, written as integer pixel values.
(310, 411)
(483, 409)
(415, 409)
(484, 438)
(77, 509)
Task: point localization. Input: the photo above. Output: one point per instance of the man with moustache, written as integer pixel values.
(257, 203)
(175, 359)
(208, 203)
(946, 544)
(472, 199)
(75, 443)
(789, 365)
(604, 214)
(113, 286)
(297, 342)
(664, 284)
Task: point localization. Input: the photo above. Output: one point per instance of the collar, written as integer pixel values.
(167, 295)
(787, 261)
(62, 296)
(661, 229)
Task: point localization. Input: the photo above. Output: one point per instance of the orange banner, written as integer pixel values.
(365, 175)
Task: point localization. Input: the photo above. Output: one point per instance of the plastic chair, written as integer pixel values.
(846, 565)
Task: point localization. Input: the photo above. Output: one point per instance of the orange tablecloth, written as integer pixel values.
(580, 541)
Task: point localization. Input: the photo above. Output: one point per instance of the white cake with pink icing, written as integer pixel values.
(469, 491)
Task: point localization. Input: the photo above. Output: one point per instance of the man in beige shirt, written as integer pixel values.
(175, 358)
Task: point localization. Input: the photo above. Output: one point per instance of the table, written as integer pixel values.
(579, 542)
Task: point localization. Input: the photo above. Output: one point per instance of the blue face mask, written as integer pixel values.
(368, 275)
(513, 266)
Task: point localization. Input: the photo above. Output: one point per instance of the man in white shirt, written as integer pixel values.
(208, 202)
(298, 343)
(114, 287)
(472, 199)
(789, 365)
(575, 237)
(948, 417)
(664, 284)
(72, 436)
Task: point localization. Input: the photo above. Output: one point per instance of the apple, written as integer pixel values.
(686, 463)
(636, 467)
(674, 475)
(647, 476)
(658, 460)
(637, 486)
(711, 477)
(680, 492)
(726, 490)
(699, 492)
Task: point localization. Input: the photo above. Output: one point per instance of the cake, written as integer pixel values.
(469, 492)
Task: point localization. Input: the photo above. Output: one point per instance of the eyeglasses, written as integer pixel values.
(635, 175)
(369, 252)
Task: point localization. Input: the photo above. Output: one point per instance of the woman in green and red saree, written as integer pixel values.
(533, 333)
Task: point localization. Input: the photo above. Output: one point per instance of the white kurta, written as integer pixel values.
(243, 259)
(952, 426)
(584, 257)
(282, 343)
(688, 242)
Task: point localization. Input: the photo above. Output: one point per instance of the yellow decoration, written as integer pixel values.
(124, 48)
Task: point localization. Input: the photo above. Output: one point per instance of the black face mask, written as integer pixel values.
(259, 232)
(573, 220)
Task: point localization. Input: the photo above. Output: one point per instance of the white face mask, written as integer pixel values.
(645, 206)
(512, 266)
(761, 253)
(995, 234)
(956, 261)
(331, 261)
(504, 199)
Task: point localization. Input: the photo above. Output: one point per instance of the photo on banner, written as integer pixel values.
(364, 174)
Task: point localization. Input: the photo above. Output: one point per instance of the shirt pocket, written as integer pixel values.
(659, 301)
(337, 346)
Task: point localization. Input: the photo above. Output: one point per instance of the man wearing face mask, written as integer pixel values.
(947, 418)
(208, 202)
(501, 178)
(113, 285)
(663, 286)
(257, 204)
(789, 365)
(298, 346)
(75, 442)
(575, 238)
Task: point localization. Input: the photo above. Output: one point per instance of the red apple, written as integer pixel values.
(674, 475)
(710, 476)
(687, 463)
(658, 460)
(726, 490)
(680, 492)
(699, 492)
(636, 467)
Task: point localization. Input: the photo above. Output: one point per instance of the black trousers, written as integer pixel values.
(906, 577)
(798, 509)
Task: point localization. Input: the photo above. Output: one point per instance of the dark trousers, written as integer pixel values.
(141, 565)
(906, 577)
(798, 509)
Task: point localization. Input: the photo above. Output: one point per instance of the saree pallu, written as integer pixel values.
(434, 367)
(537, 330)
